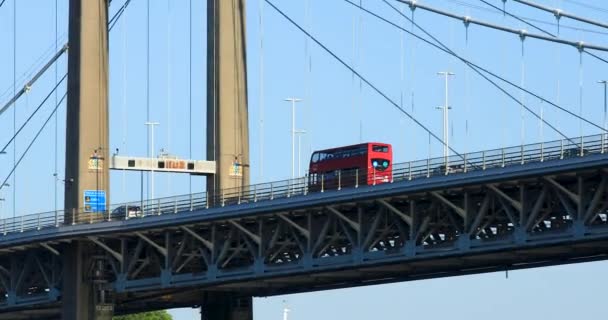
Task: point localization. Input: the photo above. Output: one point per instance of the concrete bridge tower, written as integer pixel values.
(227, 126)
(227, 119)
(87, 136)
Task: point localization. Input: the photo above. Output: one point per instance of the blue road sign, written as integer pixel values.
(94, 201)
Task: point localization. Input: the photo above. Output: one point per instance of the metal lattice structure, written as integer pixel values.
(492, 218)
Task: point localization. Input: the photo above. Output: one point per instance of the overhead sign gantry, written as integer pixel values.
(163, 164)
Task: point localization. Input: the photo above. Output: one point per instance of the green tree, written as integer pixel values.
(154, 315)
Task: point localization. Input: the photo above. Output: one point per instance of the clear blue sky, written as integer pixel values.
(336, 111)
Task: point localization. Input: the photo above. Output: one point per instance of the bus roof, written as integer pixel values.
(353, 146)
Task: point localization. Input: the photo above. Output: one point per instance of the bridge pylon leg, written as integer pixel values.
(80, 296)
(227, 114)
(87, 136)
(226, 306)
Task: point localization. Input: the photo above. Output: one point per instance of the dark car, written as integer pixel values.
(454, 168)
(127, 211)
(574, 152)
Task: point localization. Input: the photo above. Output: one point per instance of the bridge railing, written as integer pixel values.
(455, 164)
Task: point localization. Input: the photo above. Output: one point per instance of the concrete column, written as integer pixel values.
(226, 306)
(76, 292)
(227, 118)
(80, 299)
(87, 107)
(86, 149)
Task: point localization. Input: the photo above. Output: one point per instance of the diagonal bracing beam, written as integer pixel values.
(141, 267)
(371, 231)
(234, 253)
(303, 231)
(340, 215)
(596, 198)
(407, 219)
(254, 237)
(461, 212)
(516, 204)
(196, 236)
(160, 249)
(102, 245)
(483, 209)
(565, 203)
(576, 198)
(51, 249)
(184, 263)
(135, 257)
(536, 210)
(322, 234)
(43, 272)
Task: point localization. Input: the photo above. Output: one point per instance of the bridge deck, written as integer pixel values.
(492, 217)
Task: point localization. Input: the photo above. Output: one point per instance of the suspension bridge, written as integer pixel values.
(478, 207)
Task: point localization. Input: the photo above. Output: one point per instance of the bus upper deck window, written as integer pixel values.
(377, 148)
(315, 157)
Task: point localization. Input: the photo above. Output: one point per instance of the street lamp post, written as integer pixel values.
(445, 108)
(3, 152)
(605, 83)
(151, 125)
(300, 133)
(3, 200)
(293, 134)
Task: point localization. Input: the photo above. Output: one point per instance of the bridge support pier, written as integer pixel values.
(81, 297)
(226, 306)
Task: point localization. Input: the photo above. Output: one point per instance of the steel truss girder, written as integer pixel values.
(405, 236)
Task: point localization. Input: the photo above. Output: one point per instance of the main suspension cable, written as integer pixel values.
(474, 66)
(465, 19)
(441, 46)
(561, 13)
(588, 6)
(30, 83)
(503, 10)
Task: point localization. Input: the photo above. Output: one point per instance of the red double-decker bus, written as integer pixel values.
(361, 164)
